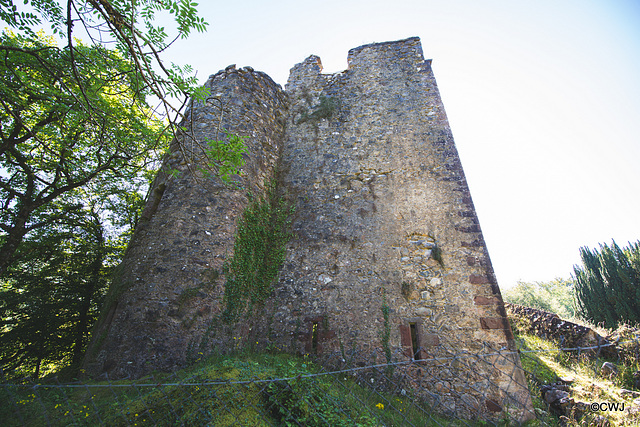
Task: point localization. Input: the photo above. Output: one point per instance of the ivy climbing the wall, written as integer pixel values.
(386, 336)
(258, 253)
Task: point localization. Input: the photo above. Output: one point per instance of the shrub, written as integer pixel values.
(608, 284)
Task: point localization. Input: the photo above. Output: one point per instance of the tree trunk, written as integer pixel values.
(87, 297)
(10, 246)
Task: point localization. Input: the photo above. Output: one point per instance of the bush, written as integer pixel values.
(608, 284)
(556, 296)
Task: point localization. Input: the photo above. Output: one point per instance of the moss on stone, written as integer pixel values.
(324, 110)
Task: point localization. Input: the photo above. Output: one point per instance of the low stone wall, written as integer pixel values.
(550, 326)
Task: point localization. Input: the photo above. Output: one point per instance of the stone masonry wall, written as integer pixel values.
(384, 217)
(551, 327)
(169, 288)
(383, 221)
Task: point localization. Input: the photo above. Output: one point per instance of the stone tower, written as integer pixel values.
(386, 256)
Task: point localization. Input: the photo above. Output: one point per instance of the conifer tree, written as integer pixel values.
(608, 284)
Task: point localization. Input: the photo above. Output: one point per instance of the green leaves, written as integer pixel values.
(324, 110)
(184, 12)
(77, 142)
(67, 117)
(23, 21)
(386, 331)
(608, 284)
(225, 158)
(52, 294)
(129, 25)
(258, 252)
(556, 296)
(76, 139)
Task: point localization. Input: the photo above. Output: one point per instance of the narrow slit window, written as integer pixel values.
(414, 341)
(314, 337)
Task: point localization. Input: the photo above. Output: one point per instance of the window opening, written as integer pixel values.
(414, 341)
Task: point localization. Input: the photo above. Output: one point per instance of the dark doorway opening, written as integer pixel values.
(415, 344)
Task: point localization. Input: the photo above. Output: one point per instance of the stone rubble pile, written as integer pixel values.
(558, 396)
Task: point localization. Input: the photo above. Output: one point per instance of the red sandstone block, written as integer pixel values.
(492, 323)
(480, 300)
(477, 279)
(405, 340)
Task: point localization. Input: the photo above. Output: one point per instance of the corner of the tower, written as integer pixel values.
(303, 72)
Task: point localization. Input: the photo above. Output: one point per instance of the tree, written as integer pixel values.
(78, 140)
(556, 296)
(72, 114)
(52, 293)
(129, 26)
(52, 142)
(608, 284)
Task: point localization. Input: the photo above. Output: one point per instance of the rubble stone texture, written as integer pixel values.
(568, 334)
(383, 217)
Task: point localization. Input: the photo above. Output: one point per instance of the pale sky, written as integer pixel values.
(543, 98)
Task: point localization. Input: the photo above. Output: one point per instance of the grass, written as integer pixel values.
(545, 364)
(241, 389)
(236, 390)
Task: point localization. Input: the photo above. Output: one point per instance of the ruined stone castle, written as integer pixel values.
(383, 219)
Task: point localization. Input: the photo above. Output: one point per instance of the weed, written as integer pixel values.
(386, 334)
(436, 254)
(324, 110)
(405, 288)
(225, 158)
(544, 363)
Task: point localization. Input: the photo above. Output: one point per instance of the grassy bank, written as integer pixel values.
(236, 390)
(580, 374)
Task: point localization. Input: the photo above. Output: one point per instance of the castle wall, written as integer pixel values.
(170, 287)
(379, 186)
(387, 254)
(384, 218)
